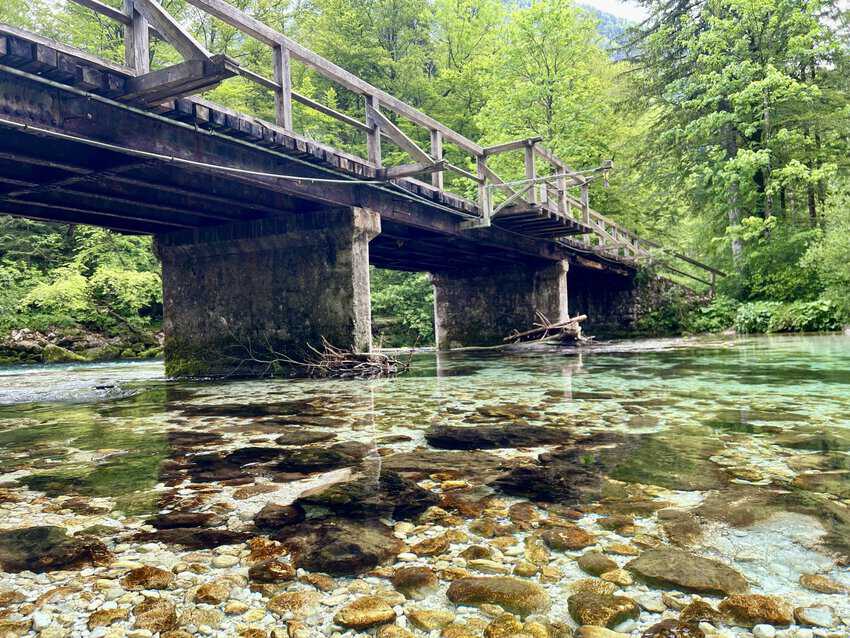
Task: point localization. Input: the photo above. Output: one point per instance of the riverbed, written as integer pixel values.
(660, 488)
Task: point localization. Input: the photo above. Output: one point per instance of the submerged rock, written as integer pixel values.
(194, 537)
(271, 571)
(569, 539)
(671, 628)
(274, 516)
(365, 612)
(512, 594)
(365, 497)
(488, 437)
(671, 567)
(315, 459)
(755, 609)
(422, 462)
(147, 577)
(562, 476)
(415, 582)
(155, 615)
(815, 616)
(822, 584)
(339, 547)
(48, 548)
(596, 563)
(184, 519)
(604, 610)
(300, 436)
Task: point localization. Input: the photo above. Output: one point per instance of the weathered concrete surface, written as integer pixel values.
(624, 306)
(480, 307)
(608, 300)
(262, 289)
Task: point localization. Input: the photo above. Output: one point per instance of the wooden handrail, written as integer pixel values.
(139, 16)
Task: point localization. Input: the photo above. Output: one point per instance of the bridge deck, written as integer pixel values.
(85, 140)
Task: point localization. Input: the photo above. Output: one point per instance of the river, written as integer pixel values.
(696, 487)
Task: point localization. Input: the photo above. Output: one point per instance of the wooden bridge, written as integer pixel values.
(255, 221)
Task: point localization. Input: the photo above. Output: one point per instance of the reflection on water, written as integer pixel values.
(735, 433)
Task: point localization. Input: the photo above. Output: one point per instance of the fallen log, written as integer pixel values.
(544, 330)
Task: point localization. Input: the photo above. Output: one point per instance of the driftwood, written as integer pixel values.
(544, 330)
(329, 362)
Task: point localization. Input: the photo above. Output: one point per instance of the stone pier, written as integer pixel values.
(237, 296)
(479, 307)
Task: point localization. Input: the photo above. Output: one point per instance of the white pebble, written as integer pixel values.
(764, 631)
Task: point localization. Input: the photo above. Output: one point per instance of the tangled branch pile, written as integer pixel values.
(329, 362)
(568, 331)
(345, 364)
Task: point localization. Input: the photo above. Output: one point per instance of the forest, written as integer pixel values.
(728, 122)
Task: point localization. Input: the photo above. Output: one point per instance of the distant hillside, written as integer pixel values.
(610, 26)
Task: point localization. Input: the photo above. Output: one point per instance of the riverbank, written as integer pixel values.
(76, 345)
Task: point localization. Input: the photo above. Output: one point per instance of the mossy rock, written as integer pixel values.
(57, 354)
(151, 353)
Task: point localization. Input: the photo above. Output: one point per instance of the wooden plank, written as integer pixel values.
(9, 30)
(463, 172)
(321, 108)
(510, 146)
(398, 136)
(184, 78)
(170, 29)
(106, 10)
(282, 95)
(437, 154)
(136, 40)
(408, 170)
(373, 137)
(530, 173)
(253, 27)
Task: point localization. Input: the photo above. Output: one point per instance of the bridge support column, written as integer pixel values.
(480, 307)
(239, 296)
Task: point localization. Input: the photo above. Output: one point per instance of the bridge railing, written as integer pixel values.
(550, 192)
(140, 18)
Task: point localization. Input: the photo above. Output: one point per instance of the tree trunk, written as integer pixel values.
(733, 199)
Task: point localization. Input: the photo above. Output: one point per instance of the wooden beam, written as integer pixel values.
(396, 134)
(408, 170)
(437, 154)
(184, 78)
(171, 30)
(137, 50)
(106, 10)
(511, 146)
(321, 108)
(530, 173)
(373, 137)
(282, 95)
(253, 27)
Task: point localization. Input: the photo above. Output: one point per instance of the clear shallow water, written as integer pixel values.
(742, 432)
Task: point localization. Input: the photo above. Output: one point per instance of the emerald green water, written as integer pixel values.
(781, 403)
(750, 435)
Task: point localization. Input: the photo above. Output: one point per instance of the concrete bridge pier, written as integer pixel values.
(240, 295)
(480, 306)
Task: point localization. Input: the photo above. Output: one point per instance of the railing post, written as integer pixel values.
(373, 137)
(530, 172)
(283, 95)
(136, 40)
(437, 155)
(585, 202)
(561, 185)
(483, 192)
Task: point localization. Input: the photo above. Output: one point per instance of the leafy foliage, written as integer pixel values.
(406, 299)
(728, 121)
